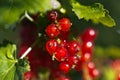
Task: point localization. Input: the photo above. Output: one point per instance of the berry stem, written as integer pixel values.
(26, 52)
(29, 49)
(86, 75)
(27, 16)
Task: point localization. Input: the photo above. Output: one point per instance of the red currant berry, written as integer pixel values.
(91, 66)
(64, 24)
(73, 47)
(78, 66)
(61, 53)
(51, 46)
(86, 57)
(65, 67)
(73, 60)
(94, 73)
(52, 15)
(118, 76)
(52, 31)
(89, 34)
(87, 47)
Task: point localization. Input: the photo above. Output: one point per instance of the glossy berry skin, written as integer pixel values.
(52, 31)
(87, 47)
(64, 24)
(90, 66)
(78, 66)
(73, 60)
(86, 57)
(61, 54)
(94, 73)
(52, 15)
(51, 46)
(89, 34)
(65, 67)
(73, 47)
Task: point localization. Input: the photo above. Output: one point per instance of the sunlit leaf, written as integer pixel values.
(95, 12)
(10, 67)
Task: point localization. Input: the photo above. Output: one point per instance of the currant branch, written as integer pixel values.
(29, 49)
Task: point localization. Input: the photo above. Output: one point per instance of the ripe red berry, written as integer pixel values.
(61, 53)
(52, 31)
(86, 57)
(78, 66)
(52, 15)
(118, 76)
(51, 46)
(65, 67)
(94, 73)
(73, 60)
(64, 24)
(91, 65)
(92, 70)
(87, 47)
(73, 47)
(89, 34)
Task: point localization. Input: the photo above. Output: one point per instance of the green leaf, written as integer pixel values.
(10, 10)
(95, 12)
(22, 67)
(10, 67)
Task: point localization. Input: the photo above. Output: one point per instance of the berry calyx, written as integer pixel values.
(52, 31)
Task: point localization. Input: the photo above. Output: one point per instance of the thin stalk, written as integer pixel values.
(29, 49)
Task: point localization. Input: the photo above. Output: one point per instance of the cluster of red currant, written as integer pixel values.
(40, 60)
(69, 53)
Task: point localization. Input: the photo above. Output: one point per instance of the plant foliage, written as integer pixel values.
(10, 67)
